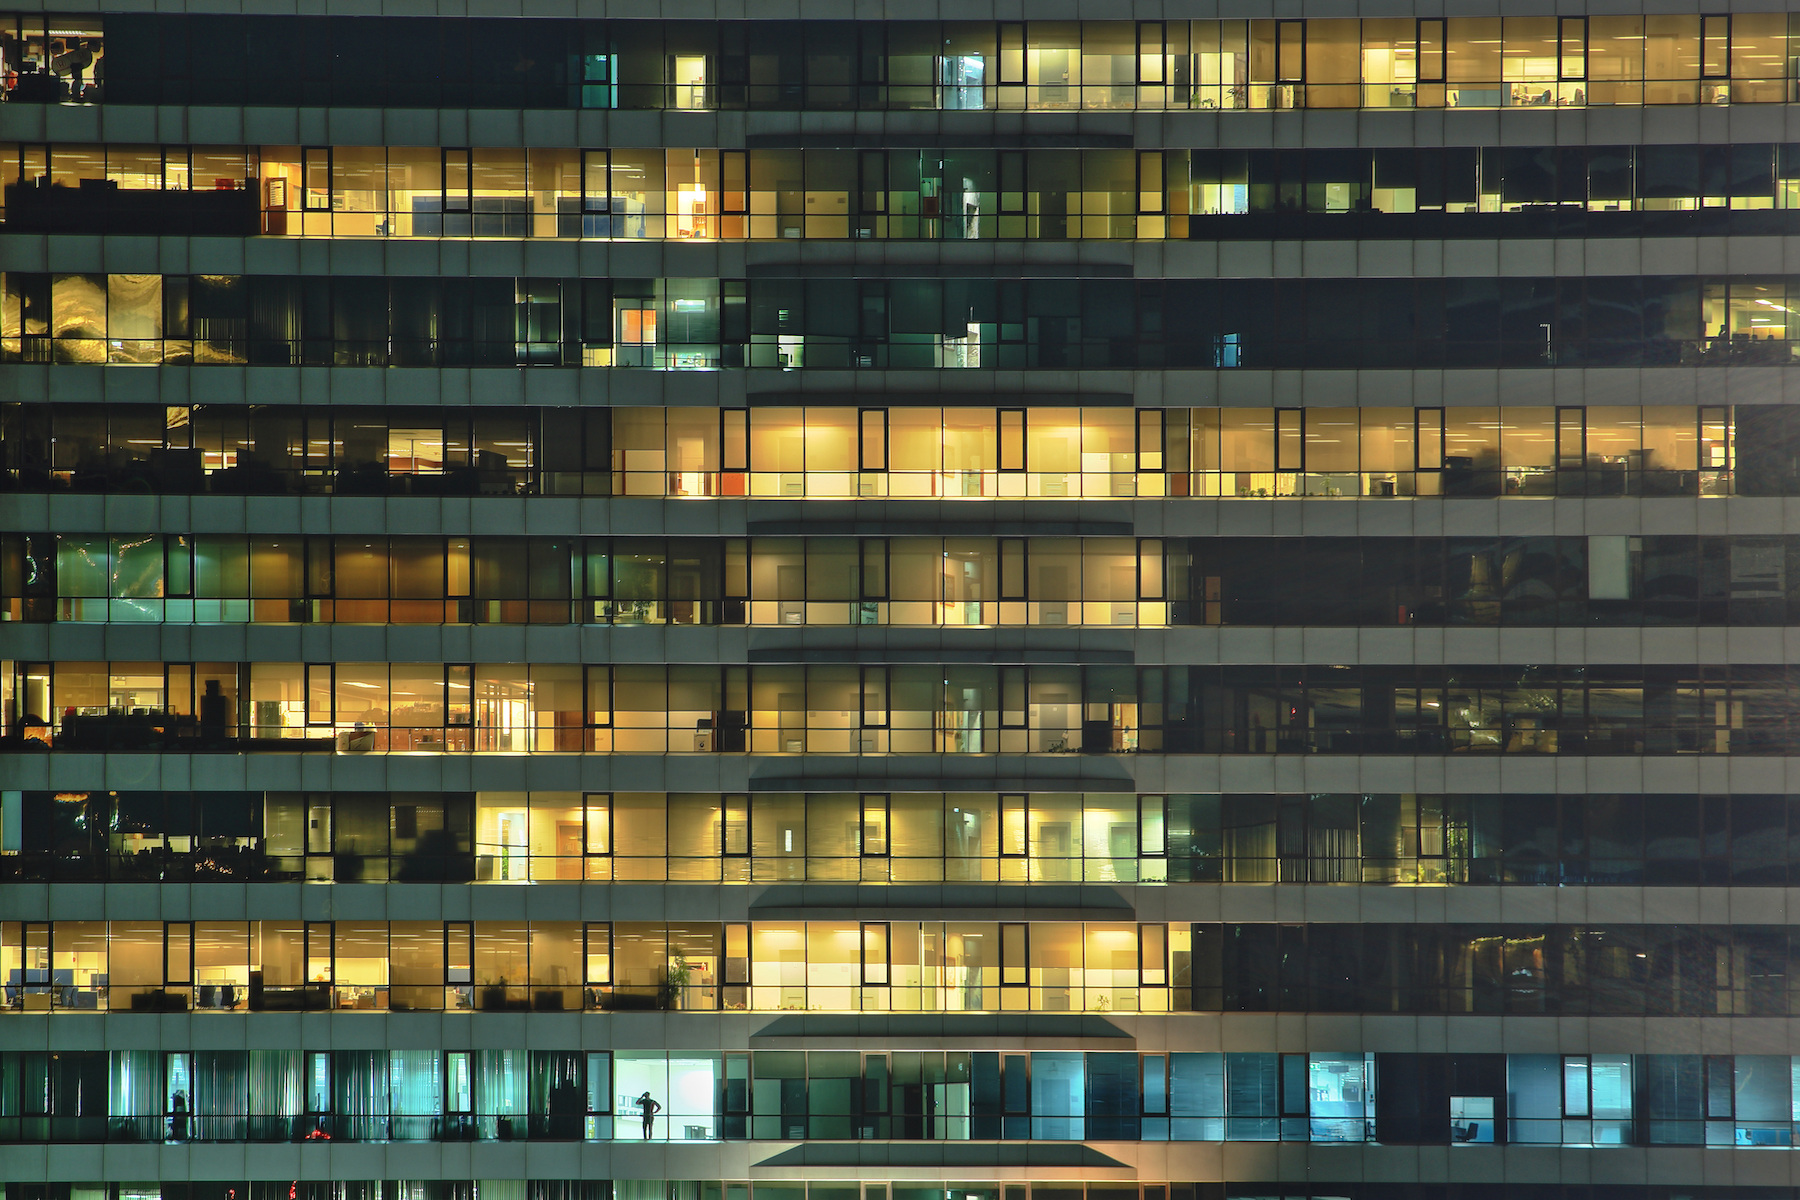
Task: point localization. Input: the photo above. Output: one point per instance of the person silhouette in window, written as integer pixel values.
(650, 1108)
(178, 1117)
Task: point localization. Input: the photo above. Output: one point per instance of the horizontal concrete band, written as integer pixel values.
(706, 1032)
(1098, 645)
(1299, 1163)
(562, 516)
(1179, 1033)
(1323, 904)
(1372, 258)
(236, 125)
(1230, 388)
(1147, 773)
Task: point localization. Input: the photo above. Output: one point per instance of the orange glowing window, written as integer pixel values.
(637, 326)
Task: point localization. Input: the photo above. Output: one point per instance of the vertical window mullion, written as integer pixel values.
(1290, 64)
(457, 182)
(875, 953)
(459, 963)
(596, 579)
(1290, 439)
(1014, 167)
(459, 1088)
(734, 442)
(1015, 956)
(1572, 49)
(1571, 438)
(318, 1086)
(320, 577)
(735, 1104)
(321, 694)
(1152, 425)
(1150, 570)
(1720, 1085)
(597, 821)
(1151, 53)
(598, 1126)
(178, 687)
(1153, 1086)
(459, 695)
(1014, 569)
(1428, 439)
(1152, 188)
(872, 426)
(1715, 47)
(1011, 43)
(875, 814)
(178, 959)
(1014, 825)
(1014, 698)
(321, 961)
(597, 963)
(1295, 1101)
(736, 970)
(871, 66)
(315, 178)
(37, 945)
(734, 168)
(872, 577)
(596, 187)
(1430, 50)
(734, 827)
(1016, 1096)
(874, 697)
(1719, 418)
(1153, 826)
(181, 159)
(1577, 1086)
(1153, 955)
(178, 566)
(33, 164)
(871, 188)
(598, 706)
(1011, 439)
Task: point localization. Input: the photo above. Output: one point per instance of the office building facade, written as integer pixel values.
(625, 602)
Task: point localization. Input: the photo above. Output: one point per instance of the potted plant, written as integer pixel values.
(674, 984)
